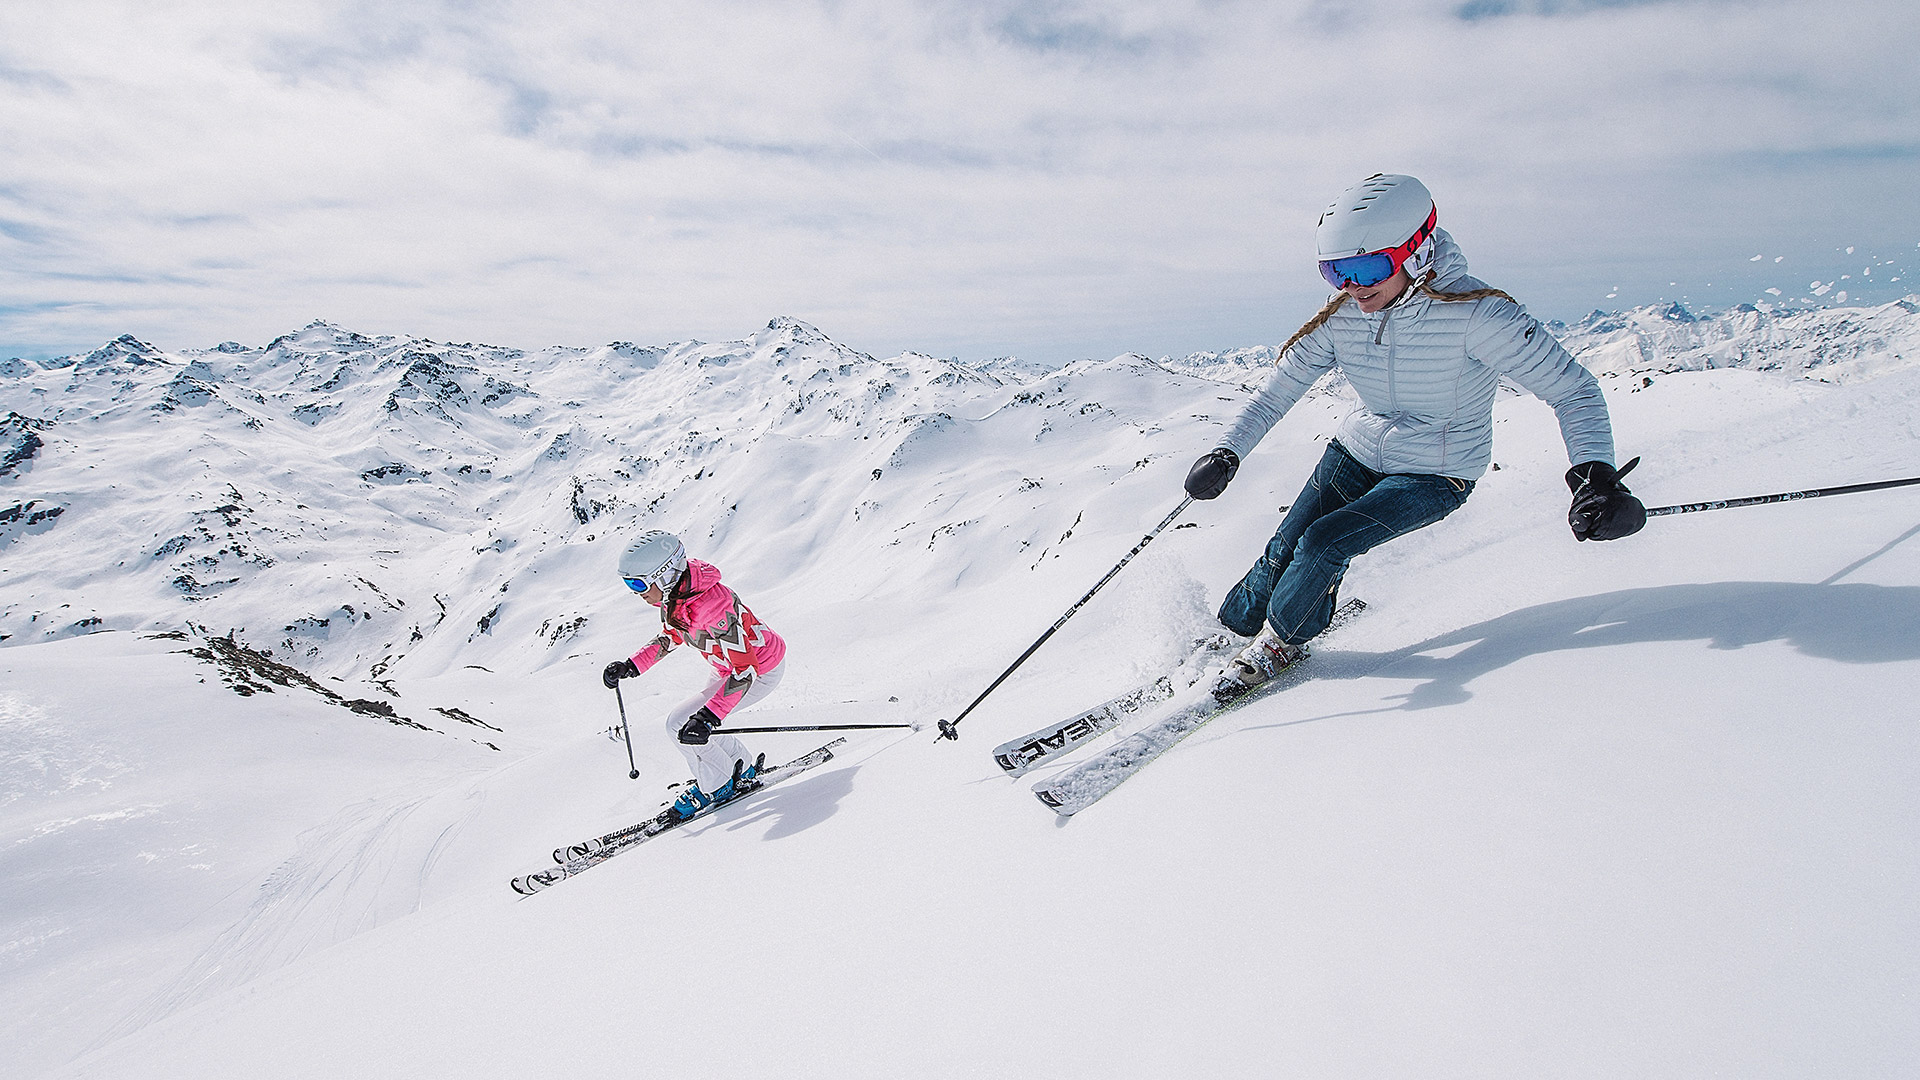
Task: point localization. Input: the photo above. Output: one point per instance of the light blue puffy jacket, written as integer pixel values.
(1426, 371)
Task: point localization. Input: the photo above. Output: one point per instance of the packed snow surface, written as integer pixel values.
(299, 664)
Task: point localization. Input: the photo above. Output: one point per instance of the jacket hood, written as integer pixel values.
(705, 603)
(1441, 257)
(702, 576)
(1446, 260)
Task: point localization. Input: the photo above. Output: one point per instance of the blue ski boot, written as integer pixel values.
(690, 802)
(745, 779)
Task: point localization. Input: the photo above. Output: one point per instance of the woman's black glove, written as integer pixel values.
(1603, 508)
(699, 727)
(619, 669)
(1209, 476)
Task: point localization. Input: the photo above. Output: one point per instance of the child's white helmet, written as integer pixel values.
(654, 558)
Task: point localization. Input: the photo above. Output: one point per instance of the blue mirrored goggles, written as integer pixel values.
(638, 584)
(1370, 269)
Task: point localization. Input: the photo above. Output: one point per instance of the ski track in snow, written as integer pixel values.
(371, 863)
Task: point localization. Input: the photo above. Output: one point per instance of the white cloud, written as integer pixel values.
(1053, 179)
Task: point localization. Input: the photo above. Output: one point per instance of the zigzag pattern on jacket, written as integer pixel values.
(732, 643)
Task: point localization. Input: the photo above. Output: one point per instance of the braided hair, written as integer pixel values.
(1314, 323)
(679, 594)
(1424, 286)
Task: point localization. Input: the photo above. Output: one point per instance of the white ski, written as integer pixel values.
(1079, 787)
(1016, 756)
(577, 858)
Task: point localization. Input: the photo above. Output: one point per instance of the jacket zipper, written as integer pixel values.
(1393, 389)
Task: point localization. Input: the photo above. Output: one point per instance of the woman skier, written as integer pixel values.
(1424, 345)
(747, 656)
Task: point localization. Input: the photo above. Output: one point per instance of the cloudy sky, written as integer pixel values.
(1050, 179)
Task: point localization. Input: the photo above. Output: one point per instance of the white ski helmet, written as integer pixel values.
(654, 558)
(1382, 212)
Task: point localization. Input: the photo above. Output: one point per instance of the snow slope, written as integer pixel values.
(306, 665)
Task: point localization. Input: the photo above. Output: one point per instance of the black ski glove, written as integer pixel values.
(619, 669)
(699, 727)
(1603, 508)
(1209, 476)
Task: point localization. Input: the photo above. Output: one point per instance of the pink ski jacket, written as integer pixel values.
(739, 646)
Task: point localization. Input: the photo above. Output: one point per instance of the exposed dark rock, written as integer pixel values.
(248, 671)
(19, 441)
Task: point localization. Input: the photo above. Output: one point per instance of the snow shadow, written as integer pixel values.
(800, 807)
(1854, 624)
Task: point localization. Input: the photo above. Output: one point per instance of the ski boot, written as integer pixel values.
(1267, 657)
(689, 802)
(745, 779)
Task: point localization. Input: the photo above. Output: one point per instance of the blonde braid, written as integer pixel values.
(1425, 286)
(1313, 324)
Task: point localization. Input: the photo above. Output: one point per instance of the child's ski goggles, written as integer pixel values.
(1375, 267)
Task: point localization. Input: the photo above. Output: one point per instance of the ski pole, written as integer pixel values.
(807, 727)
(950, 729)
(1785, 496)
(633, 771)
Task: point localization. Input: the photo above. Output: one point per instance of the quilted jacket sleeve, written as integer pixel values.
(1505, 338)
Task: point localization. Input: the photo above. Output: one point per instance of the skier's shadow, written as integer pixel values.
(1853, 624)
(808, 802)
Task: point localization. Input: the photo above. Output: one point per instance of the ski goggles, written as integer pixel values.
(1375, 267)
(638, 585)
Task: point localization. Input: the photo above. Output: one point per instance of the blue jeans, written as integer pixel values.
(1345, 509)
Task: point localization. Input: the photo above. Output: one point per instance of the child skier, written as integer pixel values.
(1424, 345)
(746, 655)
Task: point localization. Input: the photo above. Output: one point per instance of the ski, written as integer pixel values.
(1016, 756)
(1084, 784)
(577, 858)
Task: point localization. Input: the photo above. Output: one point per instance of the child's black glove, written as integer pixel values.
(619, 669)
(699, 727)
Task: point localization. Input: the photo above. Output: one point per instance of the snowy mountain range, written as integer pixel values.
(345, 503)
(349, 503)
(300, 644)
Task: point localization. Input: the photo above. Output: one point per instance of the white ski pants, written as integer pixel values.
(712, 764)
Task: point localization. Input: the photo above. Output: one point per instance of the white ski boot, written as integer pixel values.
(1266, 657)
